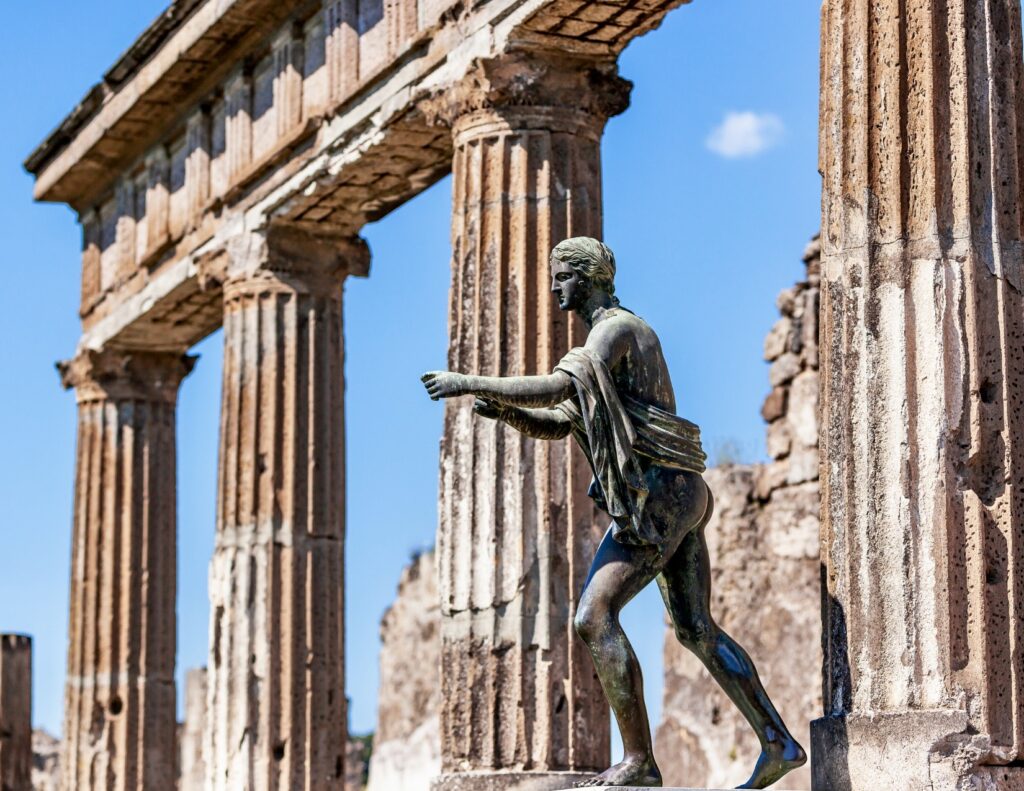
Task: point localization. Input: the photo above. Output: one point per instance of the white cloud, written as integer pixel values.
(745, 134)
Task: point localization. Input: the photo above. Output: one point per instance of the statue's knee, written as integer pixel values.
(700, 638)
(588, 623)
(583, 625)
(686, 637)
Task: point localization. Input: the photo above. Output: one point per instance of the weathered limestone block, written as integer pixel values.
(119, 717)
(407, 742)
(45, 762)
(192, 760)
(276, 715)
(520, 695)
(763, 542)
(15, 712)
(922, 393)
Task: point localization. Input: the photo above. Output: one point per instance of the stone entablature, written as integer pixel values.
(226, 117)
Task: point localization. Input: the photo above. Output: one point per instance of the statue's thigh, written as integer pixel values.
(676, 504)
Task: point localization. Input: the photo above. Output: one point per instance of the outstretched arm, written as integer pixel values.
(536, 423)
(525, 391)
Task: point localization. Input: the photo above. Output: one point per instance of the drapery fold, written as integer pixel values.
(614, 431)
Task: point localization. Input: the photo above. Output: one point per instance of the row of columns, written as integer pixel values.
(922, 427)
(522, 702)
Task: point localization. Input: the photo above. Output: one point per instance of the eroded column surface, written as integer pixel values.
(520, 700)
(15, 712)
(119, 705)
(922, 396)
(276, 713)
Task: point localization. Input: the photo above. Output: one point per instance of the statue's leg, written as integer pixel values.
(619, 573)
(685, 584)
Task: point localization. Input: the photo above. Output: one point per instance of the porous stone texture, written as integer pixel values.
(519, 692)
(276, 715)
(119, 717)
(46, 751)
(922, 394)
(192, 760)
(407, 743)
(356, 749)
(763, 543)
(15, 712)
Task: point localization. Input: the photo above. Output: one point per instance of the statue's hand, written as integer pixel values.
(444, 384)
(487, 408)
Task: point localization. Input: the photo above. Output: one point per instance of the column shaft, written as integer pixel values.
(119, 716)
(276, 715)
(517, 533)
(15, 712)
(922, 386)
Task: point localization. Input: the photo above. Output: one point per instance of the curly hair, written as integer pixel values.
(590, 258)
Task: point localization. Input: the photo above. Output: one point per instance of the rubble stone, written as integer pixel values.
(774, 405)
(407, 742)
(192, 760)
(46, 751)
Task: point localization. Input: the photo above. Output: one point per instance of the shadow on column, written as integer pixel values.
(830, 745)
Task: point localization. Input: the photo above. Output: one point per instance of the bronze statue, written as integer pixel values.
(614, 395)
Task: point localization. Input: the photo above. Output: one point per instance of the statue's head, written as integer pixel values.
(581, 266)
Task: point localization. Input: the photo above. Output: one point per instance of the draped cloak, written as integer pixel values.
(614, 430)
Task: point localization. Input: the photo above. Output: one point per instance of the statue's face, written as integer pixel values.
(568, 285)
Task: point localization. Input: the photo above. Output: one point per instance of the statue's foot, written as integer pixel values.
(631, 772)
(777, 759)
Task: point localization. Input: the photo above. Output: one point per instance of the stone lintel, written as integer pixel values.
(365, 157)
(295, 258)
(123, 374)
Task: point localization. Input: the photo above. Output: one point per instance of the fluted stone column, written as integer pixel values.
(276, 713)
(521, 704)
(922, 396)
(15, 712)
(119, 705)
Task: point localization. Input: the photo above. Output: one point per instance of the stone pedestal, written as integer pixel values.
(520, 699)
(276, 716)
(15, 712)
(119, 717)
(922, 392)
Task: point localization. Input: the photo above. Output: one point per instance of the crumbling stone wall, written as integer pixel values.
(45, 761)
(763, 541)
(407, 744)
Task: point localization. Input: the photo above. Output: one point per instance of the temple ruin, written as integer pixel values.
(221, 172)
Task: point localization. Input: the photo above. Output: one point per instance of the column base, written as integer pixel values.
(911, 751)
(507, 781)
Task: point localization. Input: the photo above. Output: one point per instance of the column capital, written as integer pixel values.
(552, 89)
(126, 374)
(294, 259)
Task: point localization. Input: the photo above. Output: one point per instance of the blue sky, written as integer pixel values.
(711, 192)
